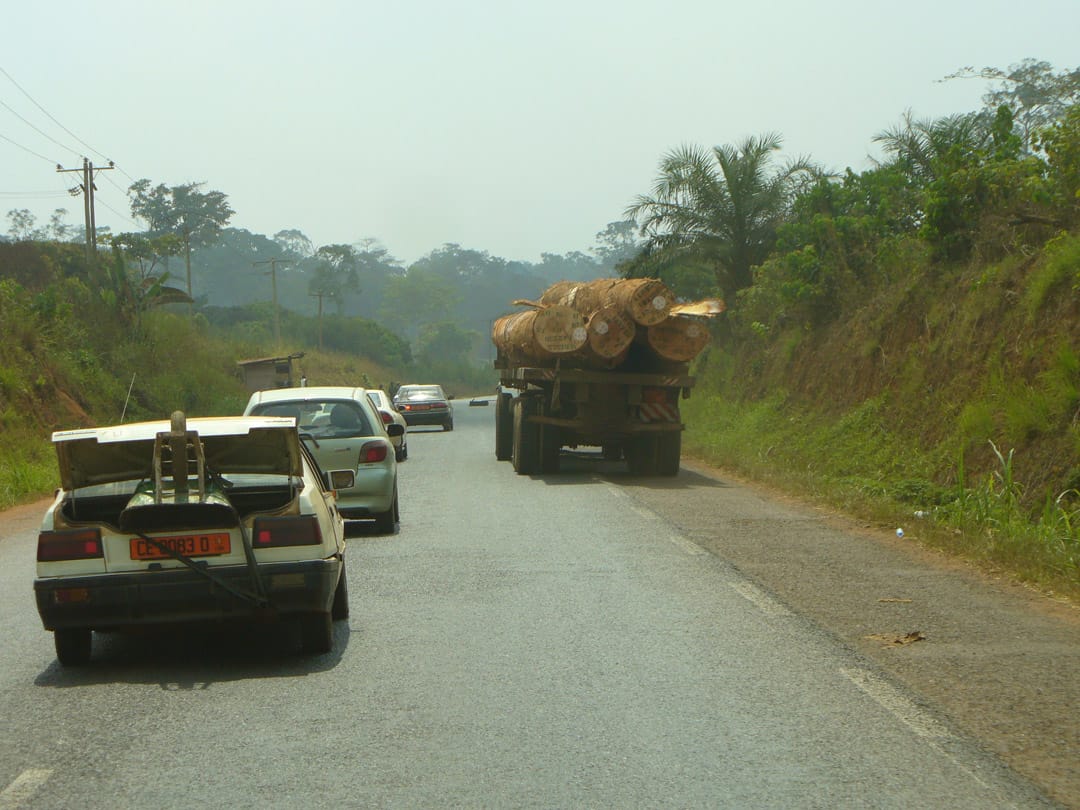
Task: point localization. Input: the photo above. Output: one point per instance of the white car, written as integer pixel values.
(186, 521)
(341, 428)
(390, 413)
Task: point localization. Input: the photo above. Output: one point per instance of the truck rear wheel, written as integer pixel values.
(640, 452)
(550, 444)
(526, 452)
(504, 427)
(668, 450)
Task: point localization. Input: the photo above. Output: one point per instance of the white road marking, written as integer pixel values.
(23, 788)
(895, 702)
(925, 726)
(687, 545)
(766, 603)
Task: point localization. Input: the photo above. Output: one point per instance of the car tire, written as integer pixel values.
(340, 608)
(386, 521)
(401, 453)
(448, 425)
(73, 645)
(317, 632)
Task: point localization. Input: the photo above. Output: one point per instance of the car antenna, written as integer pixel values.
(127, 398)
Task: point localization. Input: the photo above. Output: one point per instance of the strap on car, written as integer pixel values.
(258, 599)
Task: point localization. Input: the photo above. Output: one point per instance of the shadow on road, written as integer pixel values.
(576, 466)
(195, 657)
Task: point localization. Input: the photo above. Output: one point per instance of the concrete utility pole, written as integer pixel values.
(88, 189)
(273, 277)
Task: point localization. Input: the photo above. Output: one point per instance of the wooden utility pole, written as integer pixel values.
(88, 189)
(273, 281)
(320, 296)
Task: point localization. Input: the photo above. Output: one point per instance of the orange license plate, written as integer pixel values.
(190, 545)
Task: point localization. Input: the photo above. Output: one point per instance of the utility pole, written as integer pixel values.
(320, 296)
(88, 189)
(273, 280)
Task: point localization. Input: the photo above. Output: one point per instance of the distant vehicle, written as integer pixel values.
(341, 428)
(425, 405)
(190, 520)
(389, 413)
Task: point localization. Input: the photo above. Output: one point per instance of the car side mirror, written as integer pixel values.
(394, 429)
(339, 479)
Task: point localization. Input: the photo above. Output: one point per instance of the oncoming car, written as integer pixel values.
(186, 521)
(389, 413)
(425, 405)
(341, 428)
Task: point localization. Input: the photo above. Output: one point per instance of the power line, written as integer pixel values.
(27, 149)
(50, 117)
(39, 131)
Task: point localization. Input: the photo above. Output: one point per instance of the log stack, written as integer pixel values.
(625, 324)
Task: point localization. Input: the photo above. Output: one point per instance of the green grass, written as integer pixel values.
(862, 464)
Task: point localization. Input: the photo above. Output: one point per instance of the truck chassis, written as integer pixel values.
(634, 416)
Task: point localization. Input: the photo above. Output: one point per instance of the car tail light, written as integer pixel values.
(78, 544)
(386, 418)
(286, 531)
(373, 452)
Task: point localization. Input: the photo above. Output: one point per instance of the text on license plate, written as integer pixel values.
(420, 407)
(190, 545)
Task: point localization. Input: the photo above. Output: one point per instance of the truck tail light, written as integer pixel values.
(78, 544)
(373, 452)
(286, 531)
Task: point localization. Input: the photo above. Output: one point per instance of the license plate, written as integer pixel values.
(190, 545)
(420, 407)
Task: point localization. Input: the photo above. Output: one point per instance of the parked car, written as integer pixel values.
(425, 405)
(389, 413)
(190, 520)
(341, 428)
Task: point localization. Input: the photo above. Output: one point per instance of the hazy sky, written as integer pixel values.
(512, 127)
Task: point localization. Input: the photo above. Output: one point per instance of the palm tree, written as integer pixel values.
(720, 207)
(926, 149)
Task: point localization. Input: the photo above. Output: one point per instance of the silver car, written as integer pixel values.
(390, 413)
(342, 429)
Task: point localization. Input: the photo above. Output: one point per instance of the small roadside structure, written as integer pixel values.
(271, 372)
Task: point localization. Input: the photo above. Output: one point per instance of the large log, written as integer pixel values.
(645, 300)
(538, 335)
(677, 338)
(610, 333)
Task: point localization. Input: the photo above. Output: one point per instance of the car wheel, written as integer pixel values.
(73, 645)
(448, 425)
(401, 453)
(340, 608)
(317, 633)
(385, 521)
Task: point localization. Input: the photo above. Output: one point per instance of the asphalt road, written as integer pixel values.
(521, 642)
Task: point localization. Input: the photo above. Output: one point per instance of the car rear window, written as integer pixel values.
(322, 418)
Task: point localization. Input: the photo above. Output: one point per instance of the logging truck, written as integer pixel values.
(597, 364)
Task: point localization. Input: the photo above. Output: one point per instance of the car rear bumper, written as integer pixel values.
(107, 601)
(427, 418)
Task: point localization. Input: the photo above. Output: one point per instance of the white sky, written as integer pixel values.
(512, 127)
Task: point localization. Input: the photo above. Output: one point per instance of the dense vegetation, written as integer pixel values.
(905, 339)
(898, 340)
